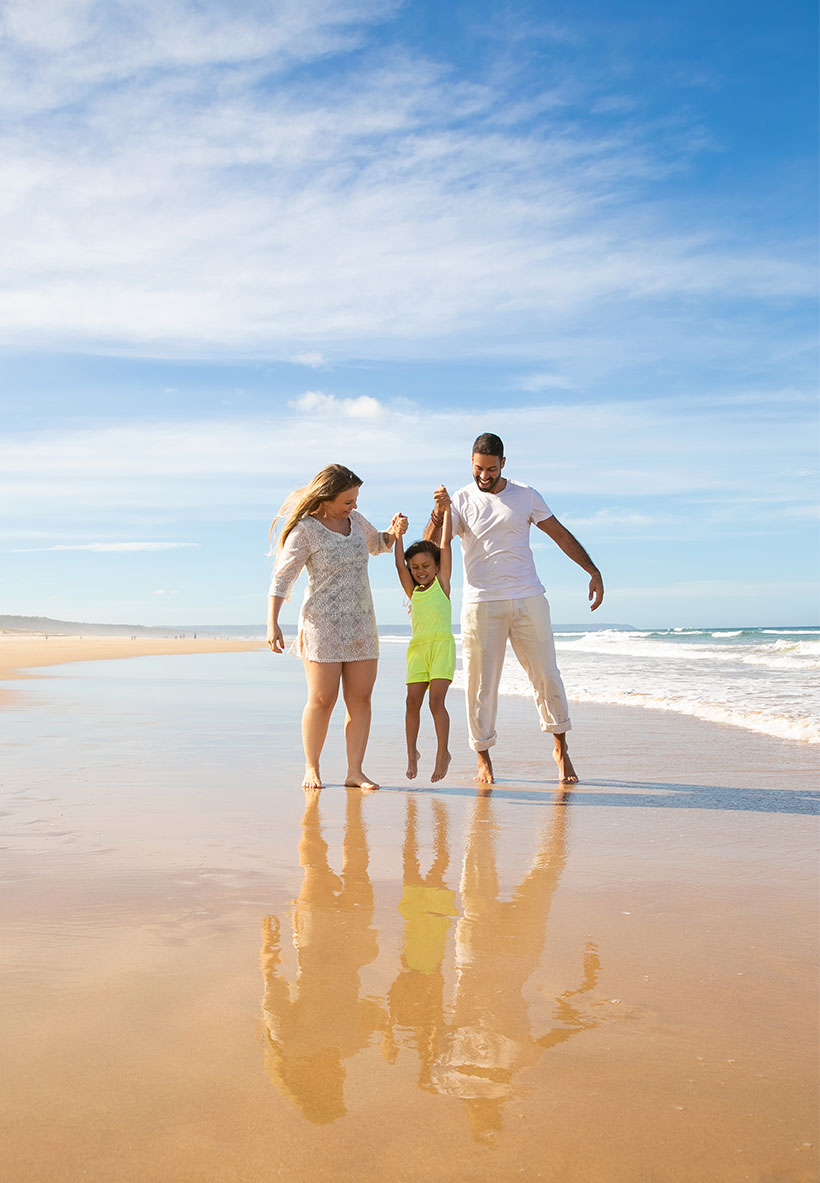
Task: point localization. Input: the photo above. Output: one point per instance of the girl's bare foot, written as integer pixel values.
(359, 780)
(312, 779)
(566, 773)
(442, 764)
(412, 765)
(484, 772)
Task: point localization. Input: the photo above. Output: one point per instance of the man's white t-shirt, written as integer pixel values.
(494, 529)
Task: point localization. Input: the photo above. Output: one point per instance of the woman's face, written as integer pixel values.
(342, 505)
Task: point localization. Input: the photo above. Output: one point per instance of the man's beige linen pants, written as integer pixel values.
(485, 629)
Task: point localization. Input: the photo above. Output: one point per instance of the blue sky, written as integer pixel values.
(241, 241)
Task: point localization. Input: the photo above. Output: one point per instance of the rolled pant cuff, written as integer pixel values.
(482, 745)
(556, 728)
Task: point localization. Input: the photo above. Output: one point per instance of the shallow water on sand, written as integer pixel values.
(208, 977)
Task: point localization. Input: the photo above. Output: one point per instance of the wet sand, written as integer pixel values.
(209, 978)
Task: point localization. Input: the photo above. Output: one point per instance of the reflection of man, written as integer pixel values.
(503, 598)
(416, 998)
(309, 1035)
(498, 947)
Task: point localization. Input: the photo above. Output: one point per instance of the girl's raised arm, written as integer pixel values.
(446, 561)
(405, 578)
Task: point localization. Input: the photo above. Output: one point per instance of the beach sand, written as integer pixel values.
(207, 978)
(23, 651)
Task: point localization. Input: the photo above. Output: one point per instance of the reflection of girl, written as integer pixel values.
(416, 998)
(337, 639)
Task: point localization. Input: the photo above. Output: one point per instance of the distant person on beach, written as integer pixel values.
(424, 573)
(504, 599)
(337, 638)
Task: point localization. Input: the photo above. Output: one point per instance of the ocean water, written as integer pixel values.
(763, 679)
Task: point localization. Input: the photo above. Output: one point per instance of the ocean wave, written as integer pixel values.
(780, 654)
(766, 721)
(801, 728)
(736, 633)
(792, 632)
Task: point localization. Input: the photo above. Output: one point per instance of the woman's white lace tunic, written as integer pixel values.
(337, 621)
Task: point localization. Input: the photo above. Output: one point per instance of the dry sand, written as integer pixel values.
(208, 979)
(27, 650)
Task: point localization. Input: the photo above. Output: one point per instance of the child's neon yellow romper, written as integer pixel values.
(432, 649)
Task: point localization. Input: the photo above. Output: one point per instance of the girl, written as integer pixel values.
(424, 573)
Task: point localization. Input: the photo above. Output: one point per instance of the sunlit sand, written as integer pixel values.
(210, 974)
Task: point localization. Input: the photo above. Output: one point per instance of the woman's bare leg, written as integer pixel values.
(358, 679)
(323, 689)
(438, 690)
(412, 721)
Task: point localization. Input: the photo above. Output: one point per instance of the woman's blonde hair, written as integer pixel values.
(327, 484)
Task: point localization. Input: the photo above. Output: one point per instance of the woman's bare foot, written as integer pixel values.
(442, 764)
(359, 780)
(484, 772)
(566, 773)
(312, 779)
(412, 765)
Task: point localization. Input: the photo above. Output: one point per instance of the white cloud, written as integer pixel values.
(314, 402)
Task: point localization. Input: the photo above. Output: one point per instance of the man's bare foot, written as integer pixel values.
(359, 780)
(312, 779)
(442, 764)
(566, 773)
(412, 765)
(484, 771)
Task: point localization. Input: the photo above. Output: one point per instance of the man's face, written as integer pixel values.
(487, 471)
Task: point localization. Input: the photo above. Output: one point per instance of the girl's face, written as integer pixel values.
(423, 568)
(342, 505)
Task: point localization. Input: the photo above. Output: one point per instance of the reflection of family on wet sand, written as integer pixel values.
(469, 1047)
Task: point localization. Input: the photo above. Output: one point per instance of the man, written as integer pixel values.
(504, 599)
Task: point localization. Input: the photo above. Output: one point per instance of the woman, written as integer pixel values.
(337, 637)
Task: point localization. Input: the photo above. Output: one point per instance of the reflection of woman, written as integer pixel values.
(337, 639)
(313, 1029)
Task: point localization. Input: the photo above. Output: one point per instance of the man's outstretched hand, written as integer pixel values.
(596, 591)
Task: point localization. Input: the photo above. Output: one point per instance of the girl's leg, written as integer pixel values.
(358, 679)
(412, 721)
(323, 690)
(438, 690)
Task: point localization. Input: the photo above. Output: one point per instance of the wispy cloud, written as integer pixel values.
(536, 383)
(108, 547)
(170, 187)
(314, 360)
(688, 465)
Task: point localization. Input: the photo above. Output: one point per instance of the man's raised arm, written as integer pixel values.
(572, 548)
(432, 531)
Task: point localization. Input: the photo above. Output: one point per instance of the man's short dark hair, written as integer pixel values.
(488, 444)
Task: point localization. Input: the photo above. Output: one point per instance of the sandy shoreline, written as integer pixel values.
(207, 980)
(20, 652)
